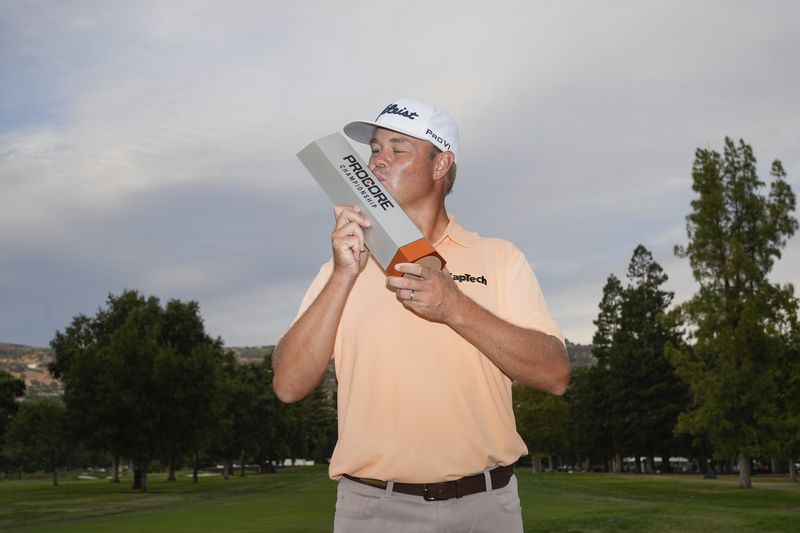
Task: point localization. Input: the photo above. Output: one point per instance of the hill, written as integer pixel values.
(251, 354)
(30, 363)
(580, 355)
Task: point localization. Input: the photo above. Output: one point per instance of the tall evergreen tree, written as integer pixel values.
(628, 403)
(645, 392)
(735, 234)
(589, 393)
(608, 319)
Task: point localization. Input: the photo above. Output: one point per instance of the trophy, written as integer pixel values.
(341, 173)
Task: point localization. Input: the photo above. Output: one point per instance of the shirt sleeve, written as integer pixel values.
(314, 289)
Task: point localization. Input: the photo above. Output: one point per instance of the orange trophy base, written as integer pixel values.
(420, 252)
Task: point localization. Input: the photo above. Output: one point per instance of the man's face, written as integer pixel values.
(403, 164)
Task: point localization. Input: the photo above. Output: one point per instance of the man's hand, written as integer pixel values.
(428, 292)
(350, 255)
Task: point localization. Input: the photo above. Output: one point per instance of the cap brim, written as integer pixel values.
(361, 131)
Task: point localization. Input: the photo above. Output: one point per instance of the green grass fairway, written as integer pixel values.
(302, 500)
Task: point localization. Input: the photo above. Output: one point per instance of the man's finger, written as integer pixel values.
(401, 283)
(350, 213)
(411, 268)
(350, 244)
(351, 228)
(337, 209)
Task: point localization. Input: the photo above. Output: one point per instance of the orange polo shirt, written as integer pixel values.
(416, 402)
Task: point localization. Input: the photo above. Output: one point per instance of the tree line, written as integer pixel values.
(145, 385)
(716, 378)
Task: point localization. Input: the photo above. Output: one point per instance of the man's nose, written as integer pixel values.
(378, 160)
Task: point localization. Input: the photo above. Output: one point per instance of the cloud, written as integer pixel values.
(151, 145)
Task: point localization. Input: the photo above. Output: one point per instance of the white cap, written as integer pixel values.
(413, 118)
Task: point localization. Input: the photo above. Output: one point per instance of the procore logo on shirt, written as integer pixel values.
(469, 278)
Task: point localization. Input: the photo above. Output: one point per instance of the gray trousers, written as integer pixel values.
(361, 509)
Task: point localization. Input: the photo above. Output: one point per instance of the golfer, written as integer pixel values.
(424, 362)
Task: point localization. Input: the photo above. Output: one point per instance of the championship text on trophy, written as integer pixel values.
(346, 179)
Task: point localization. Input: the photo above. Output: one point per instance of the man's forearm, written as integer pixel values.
(302, 355)
(531, 357)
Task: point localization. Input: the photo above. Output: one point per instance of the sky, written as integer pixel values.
(151, 145)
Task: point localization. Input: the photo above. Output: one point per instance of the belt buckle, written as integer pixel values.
(426, 495)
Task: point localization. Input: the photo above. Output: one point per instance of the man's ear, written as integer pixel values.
(442, 163)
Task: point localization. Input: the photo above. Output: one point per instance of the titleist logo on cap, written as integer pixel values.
(393, 109)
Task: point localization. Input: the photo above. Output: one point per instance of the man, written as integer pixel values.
(424, 362)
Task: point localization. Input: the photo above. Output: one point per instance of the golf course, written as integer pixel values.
(302, 499)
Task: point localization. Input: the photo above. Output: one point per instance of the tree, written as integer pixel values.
(91, 375)
(735, 234)
(276, 431)
(131, 357)
(37, 436)
(628, 403)
(187, 376)
(588, 395)
(589, 433)
(11, 389)
(608, 318)
(272, 427)
(319, 413)
(138, 378)
(542, 422)
(237, 413)
(646, 394)
(787, 379)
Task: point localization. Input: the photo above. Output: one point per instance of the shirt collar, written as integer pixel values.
(455, 233)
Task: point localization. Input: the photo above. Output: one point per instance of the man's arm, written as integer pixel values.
(303, 353)
(300, 359)
(531, 357)
(525, 355)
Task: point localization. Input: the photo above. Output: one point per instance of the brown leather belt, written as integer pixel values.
(447, 489)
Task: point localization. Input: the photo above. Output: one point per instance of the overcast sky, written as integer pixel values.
(151, 144)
